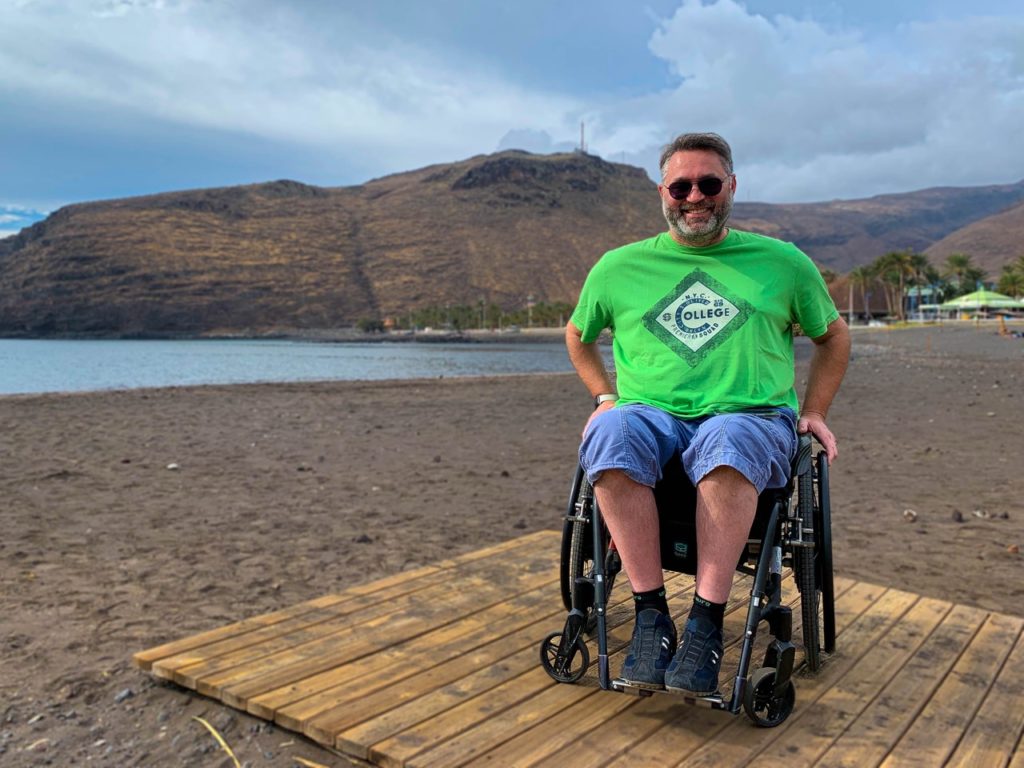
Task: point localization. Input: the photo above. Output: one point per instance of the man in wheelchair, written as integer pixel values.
(702, 318)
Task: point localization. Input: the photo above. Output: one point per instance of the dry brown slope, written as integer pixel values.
(991, 242)
(286, 255)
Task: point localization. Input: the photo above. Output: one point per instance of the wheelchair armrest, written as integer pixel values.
(802, 460)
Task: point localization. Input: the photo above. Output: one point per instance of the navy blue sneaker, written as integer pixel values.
(695, 668)
(650, 650)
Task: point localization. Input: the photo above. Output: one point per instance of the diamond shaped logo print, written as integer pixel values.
(697, 316)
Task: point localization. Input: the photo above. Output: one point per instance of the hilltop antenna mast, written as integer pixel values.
(583, 143)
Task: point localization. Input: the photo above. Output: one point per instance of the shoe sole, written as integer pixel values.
(675, 689)
(643, 685)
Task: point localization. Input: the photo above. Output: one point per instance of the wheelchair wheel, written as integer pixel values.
(807, 573)
(575, 535)
(558, 661)
(823, 556)
(761, 702)
(577, 560)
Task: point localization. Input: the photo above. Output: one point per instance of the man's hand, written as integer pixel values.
(607, 405)
(814, 423)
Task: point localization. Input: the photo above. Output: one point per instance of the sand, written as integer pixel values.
(133, 518)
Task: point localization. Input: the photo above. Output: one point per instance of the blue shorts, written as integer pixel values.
(640, 439)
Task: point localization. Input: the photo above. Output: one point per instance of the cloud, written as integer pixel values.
(815, 112)
(322, 81)
(533, 140)
(14, 218)
(814, 108)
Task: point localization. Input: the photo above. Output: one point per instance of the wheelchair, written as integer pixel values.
(791, 529)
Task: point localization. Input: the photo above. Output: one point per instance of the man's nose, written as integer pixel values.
(694, 194)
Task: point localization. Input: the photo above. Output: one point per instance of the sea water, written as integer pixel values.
(33, 366)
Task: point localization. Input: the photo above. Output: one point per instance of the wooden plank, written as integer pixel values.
(405, 581)
(185, 664)
(236, 686)
(434, 682)
(677, 729)
(998, 728)
(935, 733)
(523, 716)
(145, 659)
(630, 727)
(309, 697)
(571, 727)
(478, 677)
(452, 678)
(833, 712)
(868, 739)
(737, 743)
(357, 634)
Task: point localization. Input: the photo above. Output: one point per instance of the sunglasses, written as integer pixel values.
(709, 186)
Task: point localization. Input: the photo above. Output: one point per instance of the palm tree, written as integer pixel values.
(918, 265)
(1012, 282)
(894, 268)
(957, 265)
(862, 277)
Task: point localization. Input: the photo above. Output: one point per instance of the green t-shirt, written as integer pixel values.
(705, 330)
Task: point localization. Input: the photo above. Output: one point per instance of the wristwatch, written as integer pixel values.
(605, 398)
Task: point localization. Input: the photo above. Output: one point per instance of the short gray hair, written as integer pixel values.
(686, 142)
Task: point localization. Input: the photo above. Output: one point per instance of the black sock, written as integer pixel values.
(714, 612)
(654, 598)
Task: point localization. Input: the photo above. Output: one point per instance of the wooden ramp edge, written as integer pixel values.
(449, 675)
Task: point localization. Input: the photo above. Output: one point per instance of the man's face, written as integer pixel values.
(698, 219)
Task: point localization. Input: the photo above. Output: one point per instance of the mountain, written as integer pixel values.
(991, 242)
(843, 234)
(285, 256)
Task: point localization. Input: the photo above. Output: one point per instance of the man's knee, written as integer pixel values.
(724, 476)
(629, 440)
(615, 481)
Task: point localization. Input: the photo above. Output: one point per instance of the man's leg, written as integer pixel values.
(732, 457)
(623, 452)
(631, 515)
(726, 504)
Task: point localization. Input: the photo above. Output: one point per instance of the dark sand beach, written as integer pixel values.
(134, 518)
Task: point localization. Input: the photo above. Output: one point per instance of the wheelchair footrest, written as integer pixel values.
(715, 700)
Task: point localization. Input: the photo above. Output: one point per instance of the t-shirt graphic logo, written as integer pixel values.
(696, 316)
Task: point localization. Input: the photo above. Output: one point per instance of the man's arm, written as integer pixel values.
(828, 366)
(589, 365)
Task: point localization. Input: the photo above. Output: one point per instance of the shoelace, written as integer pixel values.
(693, 653)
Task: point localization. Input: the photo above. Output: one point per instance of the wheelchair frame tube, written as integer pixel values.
(754, 611)
(600, 599)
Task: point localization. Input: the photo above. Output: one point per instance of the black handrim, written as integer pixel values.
(823, 531)
(575, 534)
(806, 576)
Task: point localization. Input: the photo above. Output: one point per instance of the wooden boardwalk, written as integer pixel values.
(448, 674)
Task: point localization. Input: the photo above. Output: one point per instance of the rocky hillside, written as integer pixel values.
(843, 234)
(285, 256)
(991, 242)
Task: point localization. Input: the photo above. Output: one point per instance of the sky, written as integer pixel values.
(820, 100)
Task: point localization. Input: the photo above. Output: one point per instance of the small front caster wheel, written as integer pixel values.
(557, 660)
(761, 703)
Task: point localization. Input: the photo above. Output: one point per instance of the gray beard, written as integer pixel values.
(702, 235)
